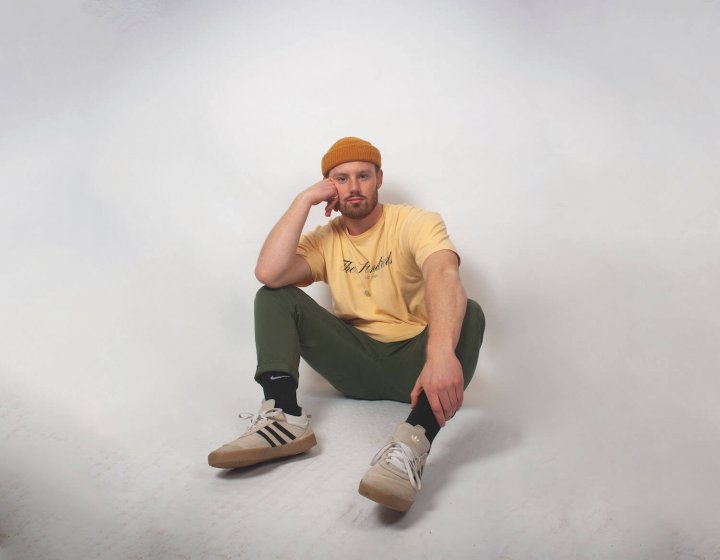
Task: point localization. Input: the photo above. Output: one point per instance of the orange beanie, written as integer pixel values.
(349, 149)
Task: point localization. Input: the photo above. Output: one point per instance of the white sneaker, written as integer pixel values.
(272, 434)
(393, 480)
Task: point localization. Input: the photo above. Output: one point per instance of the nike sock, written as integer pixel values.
(422, 415)
(281, 387)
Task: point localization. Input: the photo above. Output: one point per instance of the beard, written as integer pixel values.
(359, 210)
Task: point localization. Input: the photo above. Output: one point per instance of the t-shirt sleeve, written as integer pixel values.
(427, 234)
(310, 248)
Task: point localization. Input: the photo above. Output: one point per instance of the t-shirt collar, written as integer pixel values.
(377, 225)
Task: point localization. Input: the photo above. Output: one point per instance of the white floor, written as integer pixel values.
(489, 490)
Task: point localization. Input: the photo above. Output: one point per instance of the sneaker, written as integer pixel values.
(393, 480)
(272, 434)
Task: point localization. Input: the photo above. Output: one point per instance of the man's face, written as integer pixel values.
(357, 183)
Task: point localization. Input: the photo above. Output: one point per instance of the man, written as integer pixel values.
(402, 327)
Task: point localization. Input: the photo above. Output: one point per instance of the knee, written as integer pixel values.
(263, 295)
(471, 339)
(475, 316)
(272, 298)
(266, 293)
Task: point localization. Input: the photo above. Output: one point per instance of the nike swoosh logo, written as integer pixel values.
(274, 377)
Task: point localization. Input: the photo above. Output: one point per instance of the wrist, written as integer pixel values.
(303, 200)
(439, 349)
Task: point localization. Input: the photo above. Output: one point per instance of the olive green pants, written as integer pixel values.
(289, 325)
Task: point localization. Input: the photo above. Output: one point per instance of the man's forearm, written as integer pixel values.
(441, 378)
(281, 243)
(446, 304)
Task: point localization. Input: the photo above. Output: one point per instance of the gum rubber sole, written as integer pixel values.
(247, 457)
(384, 498)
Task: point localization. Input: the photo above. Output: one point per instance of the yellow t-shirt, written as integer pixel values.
(375, 278)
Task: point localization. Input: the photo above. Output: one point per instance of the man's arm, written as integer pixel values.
(442, 377)
(279, 264)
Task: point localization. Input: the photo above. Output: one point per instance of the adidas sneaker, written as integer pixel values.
(272, 434)
(393, 480)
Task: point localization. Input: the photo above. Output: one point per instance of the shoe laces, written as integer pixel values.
(260, 416)
(400, 456)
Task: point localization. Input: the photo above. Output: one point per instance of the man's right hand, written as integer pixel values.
(323, 191)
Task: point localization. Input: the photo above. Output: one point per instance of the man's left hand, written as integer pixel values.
(442, 381)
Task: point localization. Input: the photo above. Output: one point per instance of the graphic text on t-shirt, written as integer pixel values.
(367, 268)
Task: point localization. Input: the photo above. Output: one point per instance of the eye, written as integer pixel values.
(340, 179)
(364, 176)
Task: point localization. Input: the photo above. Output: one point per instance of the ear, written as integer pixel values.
(379, 178)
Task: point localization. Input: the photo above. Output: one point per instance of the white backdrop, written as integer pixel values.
(146, 148)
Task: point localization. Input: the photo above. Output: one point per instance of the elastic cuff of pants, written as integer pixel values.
(276, 367)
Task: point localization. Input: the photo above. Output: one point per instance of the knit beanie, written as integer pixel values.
(349, 149)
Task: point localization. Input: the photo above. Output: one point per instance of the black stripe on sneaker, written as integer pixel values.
(275, 435)
(271, 442)
(283, 430)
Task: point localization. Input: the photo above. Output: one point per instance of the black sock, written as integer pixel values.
(281, 387)
(422, 415)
